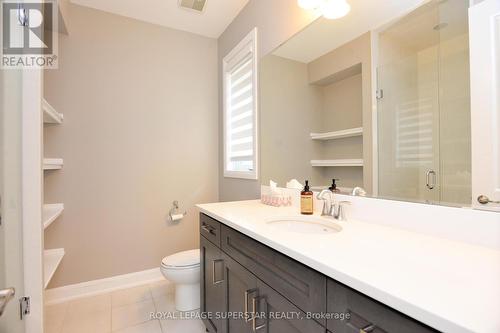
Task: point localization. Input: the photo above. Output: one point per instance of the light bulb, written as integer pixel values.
(334, 9)
(309, 4)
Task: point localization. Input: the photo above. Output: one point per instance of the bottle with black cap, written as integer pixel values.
(306, 200)
(334, 188)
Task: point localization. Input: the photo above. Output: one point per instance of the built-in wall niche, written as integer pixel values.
(339, 134)
(51, 211)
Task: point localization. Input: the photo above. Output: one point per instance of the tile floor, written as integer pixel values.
(122, 311)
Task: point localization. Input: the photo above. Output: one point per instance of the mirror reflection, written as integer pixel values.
(388, 111)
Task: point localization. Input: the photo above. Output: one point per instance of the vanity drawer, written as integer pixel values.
(210, 229)
(301, 285)
(366, 314)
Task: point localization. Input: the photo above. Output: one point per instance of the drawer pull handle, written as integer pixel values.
(367, 329)
(247, 314)
(256, 300)
(207, 229)
(214, 281)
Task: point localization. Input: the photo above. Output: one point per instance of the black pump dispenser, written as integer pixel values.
(306, 188)
(333, 188)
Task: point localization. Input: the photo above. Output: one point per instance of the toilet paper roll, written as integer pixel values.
(177, 217)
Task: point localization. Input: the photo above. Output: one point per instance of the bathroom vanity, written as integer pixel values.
(241, 275)
(358, 278)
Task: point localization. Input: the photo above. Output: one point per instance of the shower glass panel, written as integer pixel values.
(424, 106)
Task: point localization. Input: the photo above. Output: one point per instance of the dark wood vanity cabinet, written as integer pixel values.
(211, 284)
(241, 277)
(246, 294)
(366, 314)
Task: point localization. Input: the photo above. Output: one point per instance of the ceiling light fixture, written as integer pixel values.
(309, 4)
(330, 9)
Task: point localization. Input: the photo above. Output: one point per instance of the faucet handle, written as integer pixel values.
(327, 197)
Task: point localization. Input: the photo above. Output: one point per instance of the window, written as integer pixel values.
(240, 109)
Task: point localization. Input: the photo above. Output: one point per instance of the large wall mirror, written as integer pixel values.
(386, 108)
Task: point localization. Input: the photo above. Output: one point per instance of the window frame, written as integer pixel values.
(248, 45)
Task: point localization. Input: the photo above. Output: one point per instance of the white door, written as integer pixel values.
(11, 230)
(21, 232)
(484, 29)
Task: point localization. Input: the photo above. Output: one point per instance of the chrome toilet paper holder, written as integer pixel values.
(174, 212)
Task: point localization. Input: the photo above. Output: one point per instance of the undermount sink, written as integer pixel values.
(305, 225)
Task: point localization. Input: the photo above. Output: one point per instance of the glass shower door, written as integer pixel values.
(409, 130)
(408, 108)
(424, 106)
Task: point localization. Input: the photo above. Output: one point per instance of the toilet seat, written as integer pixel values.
(182, 260)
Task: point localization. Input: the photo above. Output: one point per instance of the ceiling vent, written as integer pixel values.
(194, 5)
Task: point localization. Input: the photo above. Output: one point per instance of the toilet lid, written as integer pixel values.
(182, 259)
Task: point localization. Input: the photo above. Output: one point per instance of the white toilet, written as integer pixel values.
(183, 269)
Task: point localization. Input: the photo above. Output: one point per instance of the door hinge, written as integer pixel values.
(380, 94)
(24, 306)
(22, 16)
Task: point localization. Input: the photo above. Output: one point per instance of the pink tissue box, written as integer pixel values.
(276, 200)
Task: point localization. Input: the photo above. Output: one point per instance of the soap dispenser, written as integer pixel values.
(333, 187)
(306, 200)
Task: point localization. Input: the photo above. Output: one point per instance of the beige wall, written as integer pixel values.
(342, 109)
(290, 109)
(140, 130)
(277, 21)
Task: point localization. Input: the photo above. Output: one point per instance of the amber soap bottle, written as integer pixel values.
(306, 200)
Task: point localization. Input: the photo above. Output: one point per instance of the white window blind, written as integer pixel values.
(240, 109)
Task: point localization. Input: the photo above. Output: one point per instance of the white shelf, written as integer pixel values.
(338, 134)
(50, 115)
(51, 260)
(50, 213)
(52, 163)
(337, 163)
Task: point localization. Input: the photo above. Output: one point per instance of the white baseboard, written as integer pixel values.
(96, 287)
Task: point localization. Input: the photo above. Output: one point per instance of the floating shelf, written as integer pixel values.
(338, 134)
(51, 260)
(52, 163)
(50, 213)
(337, 163)
(50, 115)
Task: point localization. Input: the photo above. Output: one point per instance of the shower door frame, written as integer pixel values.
(474, 106)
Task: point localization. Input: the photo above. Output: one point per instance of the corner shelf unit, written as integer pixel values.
(50, 115)
(52, 163)
(51, 260)
(337, 163)
(352, 132)
(50, 213)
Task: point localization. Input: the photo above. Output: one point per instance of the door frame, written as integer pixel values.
(485, 102)
(32, 196)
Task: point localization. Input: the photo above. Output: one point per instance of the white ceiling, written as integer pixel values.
(210, 23)
(325, 35)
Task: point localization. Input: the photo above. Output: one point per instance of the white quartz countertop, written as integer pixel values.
(448, 285)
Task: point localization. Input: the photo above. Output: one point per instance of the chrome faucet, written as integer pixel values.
(338, 210)
(327, 197)
(330, 207)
